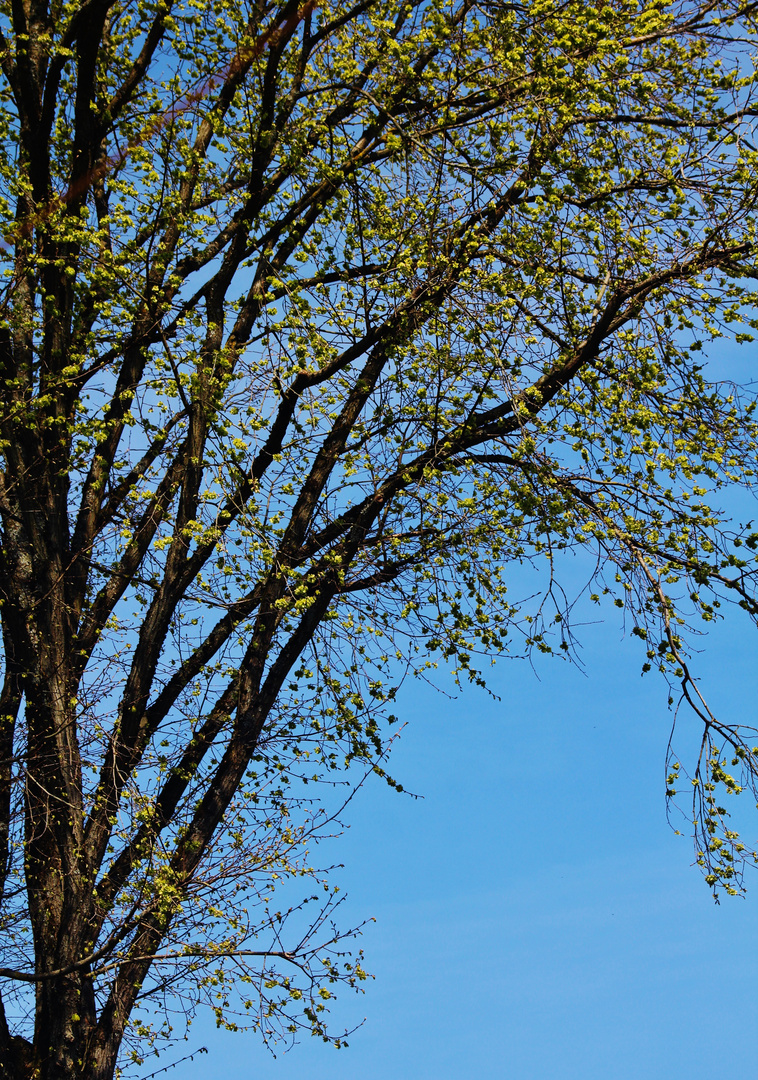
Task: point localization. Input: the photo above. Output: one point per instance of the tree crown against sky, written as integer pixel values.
(316, 321)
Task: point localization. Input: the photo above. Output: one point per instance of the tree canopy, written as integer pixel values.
(317, 321)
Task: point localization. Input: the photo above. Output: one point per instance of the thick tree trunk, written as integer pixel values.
(38, 630)
(17, 1059)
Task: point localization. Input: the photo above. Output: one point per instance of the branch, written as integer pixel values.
(121, 576)
(134, 78)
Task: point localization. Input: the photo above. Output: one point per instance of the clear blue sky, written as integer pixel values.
(536, 917)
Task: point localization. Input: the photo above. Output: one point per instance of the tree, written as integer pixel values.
(316, 320)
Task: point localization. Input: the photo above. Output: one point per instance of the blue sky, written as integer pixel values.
(536, 918)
